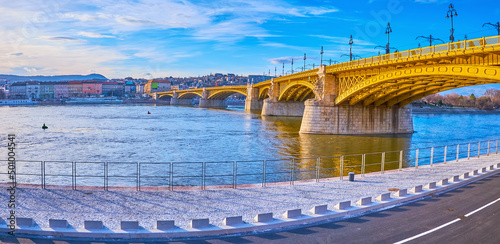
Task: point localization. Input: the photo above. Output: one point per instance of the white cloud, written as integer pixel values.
(94, 35)
(281, 45)
(344, 40)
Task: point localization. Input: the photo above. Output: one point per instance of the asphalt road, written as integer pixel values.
(406, 221)
(452, 209)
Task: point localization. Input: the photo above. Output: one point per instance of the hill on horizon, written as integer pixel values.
(42, 78)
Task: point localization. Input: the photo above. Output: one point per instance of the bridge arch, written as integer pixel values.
(403, 86)
(223, 94)
(297, 91)
(189, 95)
(165, 96)
(263, 93)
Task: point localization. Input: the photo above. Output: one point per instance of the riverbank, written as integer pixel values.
(416, 109)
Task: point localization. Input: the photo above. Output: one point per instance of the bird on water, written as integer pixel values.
(44, 126)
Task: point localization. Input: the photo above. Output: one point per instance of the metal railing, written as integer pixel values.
(170, 175)
(479, 43)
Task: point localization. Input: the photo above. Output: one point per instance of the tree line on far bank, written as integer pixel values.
(489, 101)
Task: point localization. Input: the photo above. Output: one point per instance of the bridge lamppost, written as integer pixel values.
(388, 30)
(304, 62)
(430, 39)
(321, 62)
(449, 14)
(292, 65)
(283, 72)
(350, 48)
(497, 26)
(350, 51)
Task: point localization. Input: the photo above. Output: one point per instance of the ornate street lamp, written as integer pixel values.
(451, 12)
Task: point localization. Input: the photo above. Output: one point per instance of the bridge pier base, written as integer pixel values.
(212, 103)
(184, 102)
(323, 118)
(275, 108)
(253, 104)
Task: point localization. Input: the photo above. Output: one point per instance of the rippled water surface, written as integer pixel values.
(126, 133)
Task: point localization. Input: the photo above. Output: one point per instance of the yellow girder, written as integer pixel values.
(467, 72)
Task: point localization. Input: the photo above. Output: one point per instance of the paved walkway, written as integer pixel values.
(147, 207)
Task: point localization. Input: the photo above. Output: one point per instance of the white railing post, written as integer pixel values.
(171, 176)
(383, 162)
(468, 152)
(363, 164)
(488, 151)
(318, 161)
(478, 149)
(445, 151)
(416, 160)
(400, 159)
(458, 151)
(235, 169)
(341, 167)
(432, 155)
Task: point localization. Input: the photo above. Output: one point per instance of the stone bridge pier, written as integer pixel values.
(273, 107)
(323, 116)
(175, 100)
(205, 102)
(252, 102)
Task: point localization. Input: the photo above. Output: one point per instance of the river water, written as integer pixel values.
(127, 133)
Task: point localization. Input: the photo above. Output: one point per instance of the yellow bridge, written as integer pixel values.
(348, 98)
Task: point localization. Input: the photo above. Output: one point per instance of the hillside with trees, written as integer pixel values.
(489, 101)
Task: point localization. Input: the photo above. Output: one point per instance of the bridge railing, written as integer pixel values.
(224, 174)
(422, 52)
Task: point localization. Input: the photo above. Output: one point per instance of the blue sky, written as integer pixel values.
(153, 38)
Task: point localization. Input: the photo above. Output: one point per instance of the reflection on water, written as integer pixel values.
(126, 133)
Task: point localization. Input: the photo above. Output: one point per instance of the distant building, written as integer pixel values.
(157, 85)
(91, 89)
(130, 88)
(47, 90)
(139, 88)
(61, 90)
(75, 89)
(33, 90)
(18, 90)
(112, 89)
